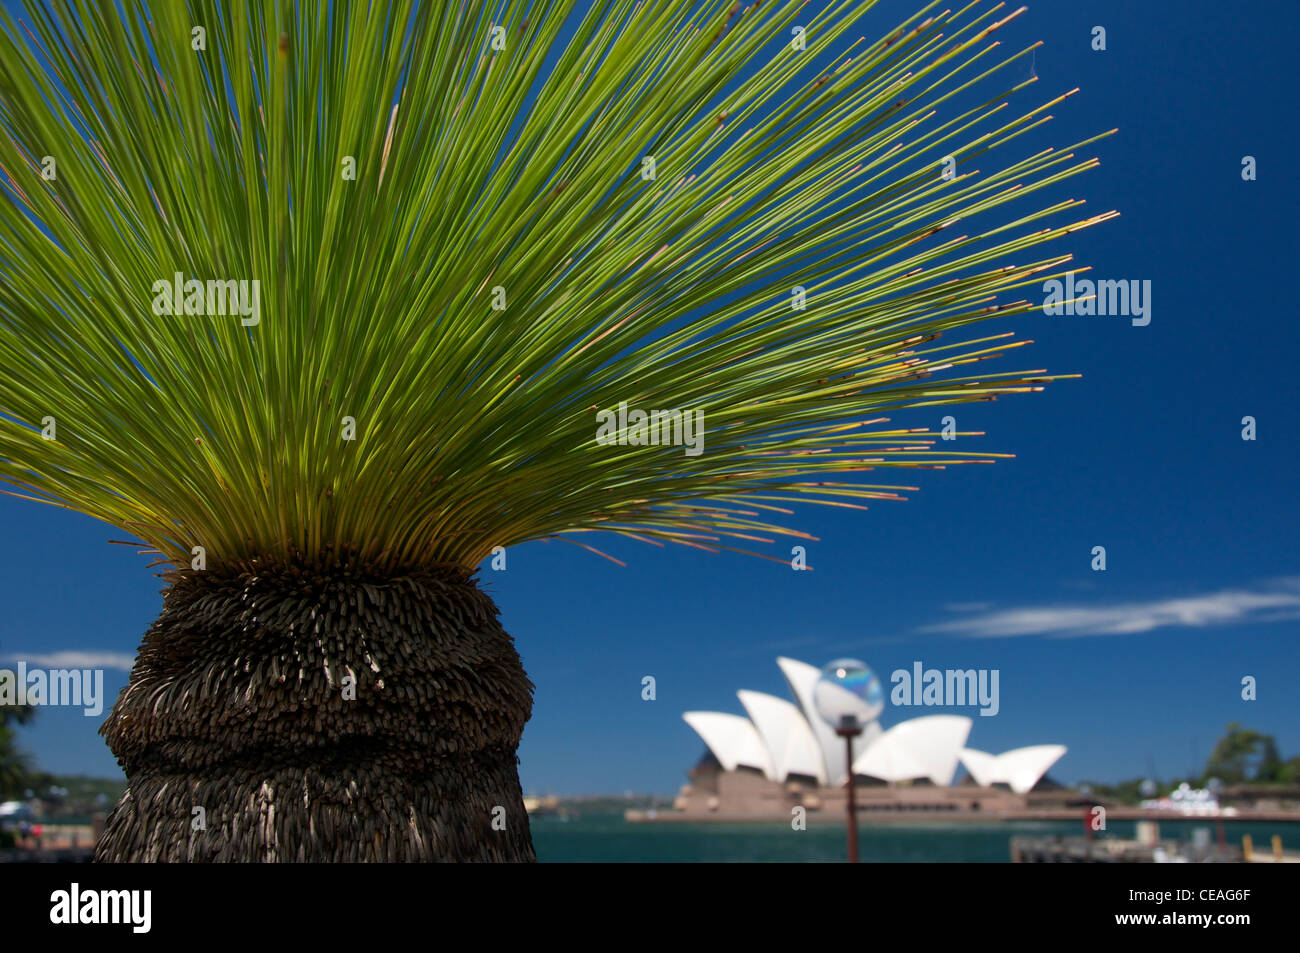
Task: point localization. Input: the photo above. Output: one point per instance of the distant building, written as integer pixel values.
(784, 754)
(541, 806)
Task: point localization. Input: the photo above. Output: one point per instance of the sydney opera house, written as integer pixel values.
(784, 755)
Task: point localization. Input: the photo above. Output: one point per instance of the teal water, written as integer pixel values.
(607, 837)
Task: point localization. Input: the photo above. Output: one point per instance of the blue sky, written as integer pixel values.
(1135, 669)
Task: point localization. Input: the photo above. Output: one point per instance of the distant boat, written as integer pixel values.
(12, 813)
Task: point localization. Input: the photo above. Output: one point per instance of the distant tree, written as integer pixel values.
(1127, 792)
(1271, 766)
(1290, 771)
(1243, 755)
(15, 764)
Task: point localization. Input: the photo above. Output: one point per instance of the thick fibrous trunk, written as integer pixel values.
(300, 716)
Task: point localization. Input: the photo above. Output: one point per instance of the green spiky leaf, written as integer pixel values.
(501, 146)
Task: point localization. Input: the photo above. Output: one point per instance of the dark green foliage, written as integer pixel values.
(1243, 755)
(15, 764)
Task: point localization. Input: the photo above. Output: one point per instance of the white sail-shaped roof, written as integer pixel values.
(732, 739)
(981, 765)
(785, 732)
(870, 735)
(926, 747)
(780, 739)
(803, 682)
(889, 761)
(1022, 768)
(1019, 768)
(802, 677)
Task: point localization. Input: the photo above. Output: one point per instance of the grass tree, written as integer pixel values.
(323, 302)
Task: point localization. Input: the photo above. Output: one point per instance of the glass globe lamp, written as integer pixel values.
(848, 695)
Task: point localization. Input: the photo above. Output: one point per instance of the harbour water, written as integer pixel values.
(606, 837)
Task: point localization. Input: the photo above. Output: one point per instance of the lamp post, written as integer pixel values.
(848, 697)
(848, 730)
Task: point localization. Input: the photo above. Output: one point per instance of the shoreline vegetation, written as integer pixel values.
(1246, 763)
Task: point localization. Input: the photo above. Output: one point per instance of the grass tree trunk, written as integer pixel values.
(321, 716)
